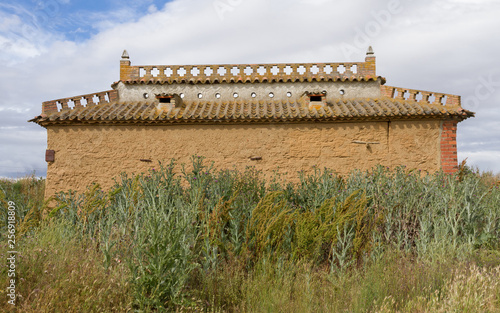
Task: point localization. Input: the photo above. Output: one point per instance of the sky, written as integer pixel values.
(61, 48)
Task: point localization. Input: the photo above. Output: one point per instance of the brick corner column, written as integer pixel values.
(449, 159)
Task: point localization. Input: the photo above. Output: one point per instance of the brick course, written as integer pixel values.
(449, 159)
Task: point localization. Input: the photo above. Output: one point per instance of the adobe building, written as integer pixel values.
(287, 116)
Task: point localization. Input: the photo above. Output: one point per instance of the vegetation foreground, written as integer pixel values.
(200, 240)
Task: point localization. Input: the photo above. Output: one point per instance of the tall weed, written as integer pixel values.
(221, 240)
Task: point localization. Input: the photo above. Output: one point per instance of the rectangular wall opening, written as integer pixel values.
(165, 99)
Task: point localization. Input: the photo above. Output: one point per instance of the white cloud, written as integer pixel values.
(485, 160)
(21, 38)
(443, 46)
(152, 9)
(8, 22)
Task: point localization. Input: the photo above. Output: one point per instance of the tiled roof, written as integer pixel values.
(254, 111)
(250, 79)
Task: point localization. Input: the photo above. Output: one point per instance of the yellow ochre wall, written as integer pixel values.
(97, 153)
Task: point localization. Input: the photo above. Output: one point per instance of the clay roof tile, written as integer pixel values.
(253, 110)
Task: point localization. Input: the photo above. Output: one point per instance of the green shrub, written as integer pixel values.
(196, 238)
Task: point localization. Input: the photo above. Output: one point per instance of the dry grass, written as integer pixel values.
(59, 271)
(470, 289)
(224, 242)
(396, 283)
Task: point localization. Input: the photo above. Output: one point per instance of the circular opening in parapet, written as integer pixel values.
(235, 95)
(342, 91)
(181, 95)
(145, 95)
(217, 95)
(200, 96)
(271, 95)
(289, 94)
(254, 95)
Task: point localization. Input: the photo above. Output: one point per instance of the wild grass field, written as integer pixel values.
(187, 238)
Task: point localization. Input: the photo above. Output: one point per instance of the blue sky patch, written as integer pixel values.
(77, 20)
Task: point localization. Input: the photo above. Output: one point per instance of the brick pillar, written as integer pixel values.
(449, 160)
(370, 63)
(125, 69)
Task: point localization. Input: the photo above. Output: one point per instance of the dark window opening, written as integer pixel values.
(316, 98)
(165, 99)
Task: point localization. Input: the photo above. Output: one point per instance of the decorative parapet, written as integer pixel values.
(420, 96)
(247, 72)
(59, 105)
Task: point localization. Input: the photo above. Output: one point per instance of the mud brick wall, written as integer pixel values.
(97, 153)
